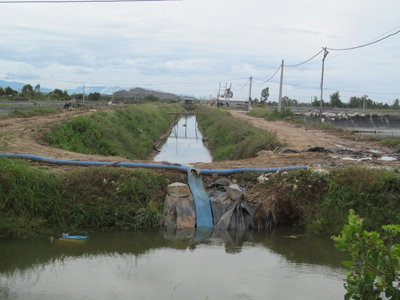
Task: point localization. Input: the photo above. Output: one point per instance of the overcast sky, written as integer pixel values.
(190, 46)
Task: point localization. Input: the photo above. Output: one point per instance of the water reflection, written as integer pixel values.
(149, 264)
(184, 145)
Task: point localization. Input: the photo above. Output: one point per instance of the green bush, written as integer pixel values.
(34, 201)
(129, 132)
(231, 138)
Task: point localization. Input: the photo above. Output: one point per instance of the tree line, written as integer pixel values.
(335, 102)
(34, 93)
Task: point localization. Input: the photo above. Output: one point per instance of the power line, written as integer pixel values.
(242, 86)
(341, 90)
(194, 83)
(76, 1)
(269, 78)
(367, 44)
(290, 66)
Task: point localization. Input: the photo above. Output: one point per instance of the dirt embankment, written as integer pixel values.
(26, 133)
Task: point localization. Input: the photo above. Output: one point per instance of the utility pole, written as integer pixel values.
(280, 90)
(365, 104)
(229, 96)
(219, 91)
(322, 83)
(83, 95)
(226, 84)
(311, 102)
(251, 79)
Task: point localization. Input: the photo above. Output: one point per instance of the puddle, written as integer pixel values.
(357, 159)
(144, 264)
(387, 158)
(185, 145)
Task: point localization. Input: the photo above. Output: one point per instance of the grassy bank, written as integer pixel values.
(128, 132)
(34, 202)
(230, 138)
(320, 203)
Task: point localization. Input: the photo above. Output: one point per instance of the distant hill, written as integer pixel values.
(19, 85)
(139, 92)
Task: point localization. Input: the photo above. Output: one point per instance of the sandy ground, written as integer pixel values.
(26, 133)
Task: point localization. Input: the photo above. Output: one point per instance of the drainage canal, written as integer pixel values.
(185, 143)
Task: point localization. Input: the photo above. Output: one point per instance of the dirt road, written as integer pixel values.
(26, 134)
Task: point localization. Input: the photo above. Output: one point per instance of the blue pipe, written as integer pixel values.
(131, 165)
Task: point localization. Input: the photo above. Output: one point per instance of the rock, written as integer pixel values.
(234, 192)
(179, 212)
(178, 190)
(265, 153)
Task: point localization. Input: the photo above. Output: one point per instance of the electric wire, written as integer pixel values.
(242, 86)
(77, 1)
(291, 66)
(364, 45)
(331, 57)
(194, 83)
(269, 78)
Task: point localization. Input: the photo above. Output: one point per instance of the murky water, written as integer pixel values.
(184, 265)
(184, 145)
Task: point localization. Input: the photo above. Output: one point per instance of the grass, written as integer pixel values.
(391, 143)
(34, 112)
(4, 139)
(320, 203)
(35, 202)
(230, 138)
(129, 132)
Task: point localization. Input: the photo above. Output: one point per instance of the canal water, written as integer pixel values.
(176, 265)
(185, 144)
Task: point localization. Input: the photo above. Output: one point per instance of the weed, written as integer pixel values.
(391, 143)
(4, 139)
(129, 132)
(230, 138)
(33, 201)
(321, 202)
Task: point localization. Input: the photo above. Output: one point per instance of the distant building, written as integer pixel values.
(187, 100)
(235, 102)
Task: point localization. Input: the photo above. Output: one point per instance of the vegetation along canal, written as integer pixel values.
(184, 145)
(146, 264)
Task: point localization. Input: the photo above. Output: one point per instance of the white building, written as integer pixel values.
(234, 102)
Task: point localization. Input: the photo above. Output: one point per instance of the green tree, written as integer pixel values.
(316, 102)
(229, 93)
(264, 94)
(355, 102)
(9, 91)
(375, 261)
(396, 104)
(54, 96)
(59, 93)
(26, 89)
(2, 92)
(335, 100)
(65, 95)
(37, 88)
(94, 96)
(152, 98)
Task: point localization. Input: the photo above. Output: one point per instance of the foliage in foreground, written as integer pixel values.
(320, 202)
(35, 201)
(230, 138)
(375, 260)
(129, 132)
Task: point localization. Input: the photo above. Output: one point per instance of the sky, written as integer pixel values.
(193, 46)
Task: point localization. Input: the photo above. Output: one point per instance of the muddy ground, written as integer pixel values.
(26, 133)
